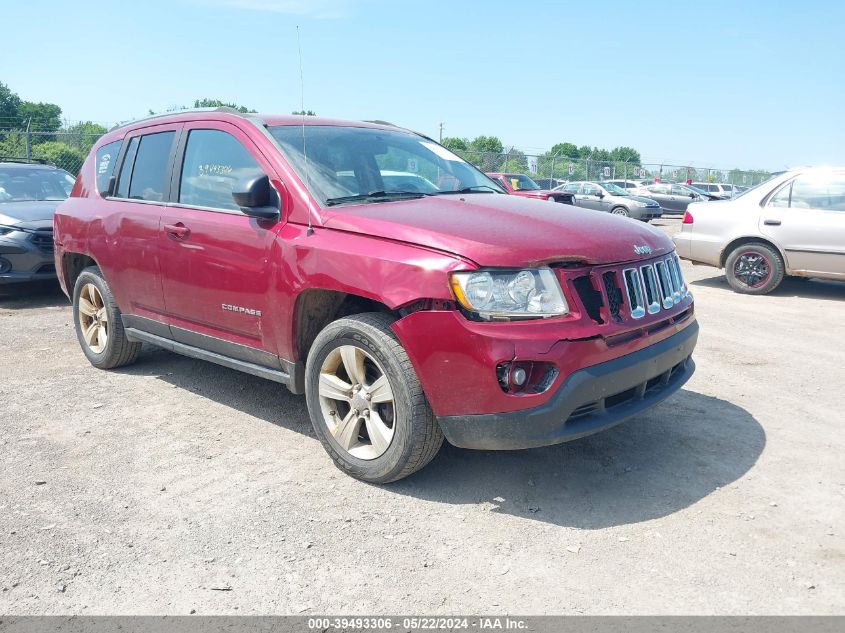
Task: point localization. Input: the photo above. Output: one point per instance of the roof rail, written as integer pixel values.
(18, 159)
(151, 117)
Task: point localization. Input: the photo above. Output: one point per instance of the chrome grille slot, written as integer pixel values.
(675, 277)
(663, 276)
(683, 285)
(652, 293)
(634, 289)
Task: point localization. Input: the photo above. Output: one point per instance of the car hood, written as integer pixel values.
(504, 230)
(27, 211)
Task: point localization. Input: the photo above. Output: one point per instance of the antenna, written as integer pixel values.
(310, 230)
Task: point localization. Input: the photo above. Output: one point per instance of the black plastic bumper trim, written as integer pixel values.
(550, 423)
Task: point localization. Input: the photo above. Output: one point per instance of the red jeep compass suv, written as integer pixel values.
(404, 313)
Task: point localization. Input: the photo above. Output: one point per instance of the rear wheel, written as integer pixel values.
(754, 269)
(366, 403)
(99, 328)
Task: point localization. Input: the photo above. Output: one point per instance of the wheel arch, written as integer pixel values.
(72, 266)
(749, 239)
(315, 308)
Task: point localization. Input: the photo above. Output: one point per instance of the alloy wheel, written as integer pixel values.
(752, 269)
(356, 401)
(93, 318)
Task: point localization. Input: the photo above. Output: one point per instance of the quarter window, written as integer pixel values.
(106, 157)
(214, 163)
(149, 175)
(126, 169)
(781, 198)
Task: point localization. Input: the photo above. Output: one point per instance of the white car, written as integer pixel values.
(722, 190)
(792, 224)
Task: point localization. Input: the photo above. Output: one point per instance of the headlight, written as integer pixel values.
(510, 294)
(639, 203)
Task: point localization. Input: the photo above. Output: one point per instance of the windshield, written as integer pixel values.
(22, 183)
(358, 165)
(521, 182)
(611, 188)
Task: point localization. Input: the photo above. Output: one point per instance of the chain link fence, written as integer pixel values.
(552, 170)
(68, 149)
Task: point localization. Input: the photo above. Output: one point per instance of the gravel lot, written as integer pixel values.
(174, 485)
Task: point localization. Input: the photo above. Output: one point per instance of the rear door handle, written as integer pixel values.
(177, 231)
(771, 222)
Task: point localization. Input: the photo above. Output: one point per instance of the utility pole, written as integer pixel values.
(441, 131)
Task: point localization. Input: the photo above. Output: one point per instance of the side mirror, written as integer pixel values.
(692, 195)
(257, 198)
(600, 194)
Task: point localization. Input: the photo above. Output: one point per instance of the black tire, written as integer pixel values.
(118, 351)
(416, 434)
(764, 260)
(620, 211)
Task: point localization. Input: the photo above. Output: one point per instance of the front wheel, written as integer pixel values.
(366, 403)
(620, 211)
(754, 269)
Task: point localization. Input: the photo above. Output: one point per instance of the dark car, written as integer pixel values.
(674, 197)
(29, 194)
(603, 196)
(404, 316)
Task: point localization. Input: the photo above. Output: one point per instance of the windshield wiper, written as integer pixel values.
(473, 189)
(375, 196)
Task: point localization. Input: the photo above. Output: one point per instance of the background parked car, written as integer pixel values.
(607, 197)
(29, 194)
(793, 224)
(721, 189)
(628, 184)
(522, 185)
(674, 197)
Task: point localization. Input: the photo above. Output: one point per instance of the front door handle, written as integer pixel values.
(177, 231)
(771, 222)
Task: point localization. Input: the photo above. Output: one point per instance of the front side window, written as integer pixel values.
(590, 189)
(18, 184)
(215, 162)
(149, 175)
(105, 159)
(359, 165)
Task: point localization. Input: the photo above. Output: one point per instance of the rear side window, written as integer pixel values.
(106, 157)
(813, 192)
(149, 175)
(214, 163)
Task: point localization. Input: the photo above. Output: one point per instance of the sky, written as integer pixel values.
(743, 84)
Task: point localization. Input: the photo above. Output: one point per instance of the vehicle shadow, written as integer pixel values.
(27, 296)
(789, 287)
(648, 467)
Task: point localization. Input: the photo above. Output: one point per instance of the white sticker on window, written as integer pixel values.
(442, 152)
(103, 167)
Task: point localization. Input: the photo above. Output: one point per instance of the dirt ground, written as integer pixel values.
(175, 486)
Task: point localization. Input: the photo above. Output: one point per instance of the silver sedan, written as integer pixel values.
(792, 224)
